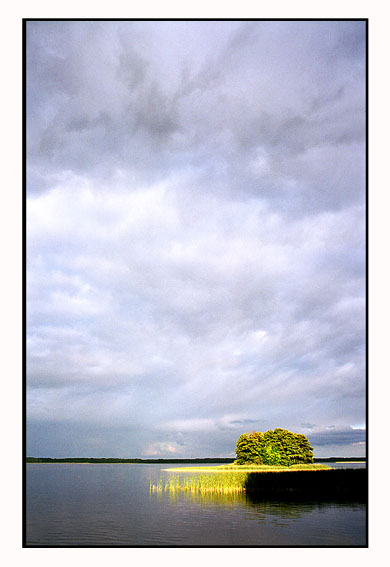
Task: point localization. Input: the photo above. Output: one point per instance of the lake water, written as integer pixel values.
(111, 505)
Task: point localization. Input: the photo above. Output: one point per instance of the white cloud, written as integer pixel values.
(159, 450)
(260, 163)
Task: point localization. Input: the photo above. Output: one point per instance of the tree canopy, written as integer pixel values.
(277, 447)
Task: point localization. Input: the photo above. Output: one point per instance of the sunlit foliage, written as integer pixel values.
(279, 447)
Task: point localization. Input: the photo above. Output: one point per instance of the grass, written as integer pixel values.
(225, 479)
(350, 484)
(298, 481)
(247, 468)
(220, 483)
(350, 462)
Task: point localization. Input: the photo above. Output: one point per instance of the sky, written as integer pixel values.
(195, 236)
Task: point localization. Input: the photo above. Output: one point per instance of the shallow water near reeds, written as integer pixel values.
(112, 505)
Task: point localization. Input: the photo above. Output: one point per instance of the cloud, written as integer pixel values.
(160, 449)
(339, 436)
(196, 233)
(104, 97)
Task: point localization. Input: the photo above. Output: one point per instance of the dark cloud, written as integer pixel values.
(244, 421)
(338, 436)
(99, 103)
(196, 234)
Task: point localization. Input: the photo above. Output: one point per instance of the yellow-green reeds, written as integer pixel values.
(222, 483)
(318, 481)
(246, 468)
(225, 479)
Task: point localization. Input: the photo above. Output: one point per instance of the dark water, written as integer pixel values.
(111, 505)
(347, 465)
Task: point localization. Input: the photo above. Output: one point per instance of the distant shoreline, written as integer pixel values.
(171, 461)
(129, 461)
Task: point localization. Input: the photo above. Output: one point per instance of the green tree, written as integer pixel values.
(279, 447)
(249, 448)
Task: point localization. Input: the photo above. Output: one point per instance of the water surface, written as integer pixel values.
(111, 505)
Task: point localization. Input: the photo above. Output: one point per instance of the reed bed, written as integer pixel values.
(247, 468)
(330, 484)
(222, 480)
(222, 483)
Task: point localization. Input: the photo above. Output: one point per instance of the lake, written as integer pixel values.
(111, 505)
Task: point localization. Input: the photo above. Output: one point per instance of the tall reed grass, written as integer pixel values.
(221, 483)
(225, 479)
(247, 468)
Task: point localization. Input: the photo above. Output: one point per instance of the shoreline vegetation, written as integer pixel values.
(210, 460)
(297, 481)
(234, 468)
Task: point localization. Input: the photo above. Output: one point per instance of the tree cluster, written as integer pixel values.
(279, 447)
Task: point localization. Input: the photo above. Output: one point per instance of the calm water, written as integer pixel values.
(111, 504)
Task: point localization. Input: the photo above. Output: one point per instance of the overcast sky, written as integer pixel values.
(195, 236)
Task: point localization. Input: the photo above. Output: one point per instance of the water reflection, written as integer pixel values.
(200, 498)
(270, 522)
(288, 508)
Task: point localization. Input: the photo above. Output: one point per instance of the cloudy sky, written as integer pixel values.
(195, 236)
